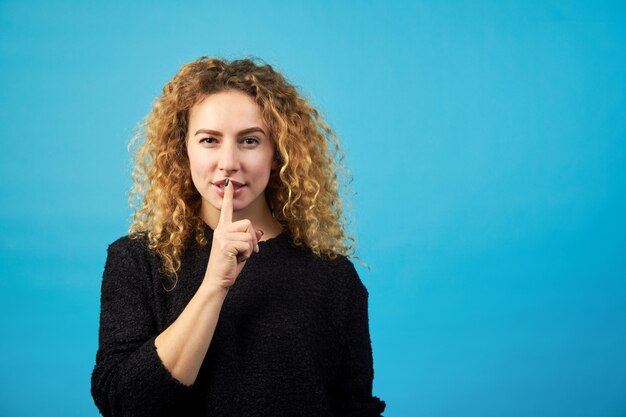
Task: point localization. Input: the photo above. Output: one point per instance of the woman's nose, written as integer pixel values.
(229, 160)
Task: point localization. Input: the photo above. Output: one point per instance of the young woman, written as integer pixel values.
(232, 294)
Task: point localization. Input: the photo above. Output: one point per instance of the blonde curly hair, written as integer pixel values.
(303, 193)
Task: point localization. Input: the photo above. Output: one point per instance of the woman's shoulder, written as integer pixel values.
(345, 266)
(129, 243)
(339, 269)
(131, 248)
(130, 264)
(339, 264)
(283, 251)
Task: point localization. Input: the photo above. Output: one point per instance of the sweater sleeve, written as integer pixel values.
(129, 378)
(354, 387)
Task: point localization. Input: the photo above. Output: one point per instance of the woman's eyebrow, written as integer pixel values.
(209, 131)
(252, 130)
(242, 132)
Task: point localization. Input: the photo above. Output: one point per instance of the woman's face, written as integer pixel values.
(227, 138)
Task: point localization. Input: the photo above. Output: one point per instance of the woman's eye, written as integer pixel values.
(250, 141)
(209, 141)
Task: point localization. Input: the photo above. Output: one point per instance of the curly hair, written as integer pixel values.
(303, 193)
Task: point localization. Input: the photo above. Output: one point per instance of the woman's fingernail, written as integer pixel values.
(260, 231)
(257, 248)
(226, 182)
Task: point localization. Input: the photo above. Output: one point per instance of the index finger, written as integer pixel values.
(226, 213)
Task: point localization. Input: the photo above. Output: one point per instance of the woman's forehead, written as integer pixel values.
(226, 109)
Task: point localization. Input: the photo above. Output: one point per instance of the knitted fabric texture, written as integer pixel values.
(292, 337)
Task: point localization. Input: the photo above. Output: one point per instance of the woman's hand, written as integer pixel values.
(233, 244)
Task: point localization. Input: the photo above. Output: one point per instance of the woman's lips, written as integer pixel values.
(218, 186)
(220, 183)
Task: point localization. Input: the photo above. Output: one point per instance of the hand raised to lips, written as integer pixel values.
(233, 242)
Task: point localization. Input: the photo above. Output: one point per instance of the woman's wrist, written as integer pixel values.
(212, 290)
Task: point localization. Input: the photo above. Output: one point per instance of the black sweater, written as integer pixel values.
(292, 337)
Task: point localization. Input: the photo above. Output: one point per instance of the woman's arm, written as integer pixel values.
(353, 390)
(139, 373)
(183, 345)
(129, 377)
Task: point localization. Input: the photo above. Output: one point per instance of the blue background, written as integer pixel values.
(487, 141)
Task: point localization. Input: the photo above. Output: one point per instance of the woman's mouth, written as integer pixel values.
(219, 185)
